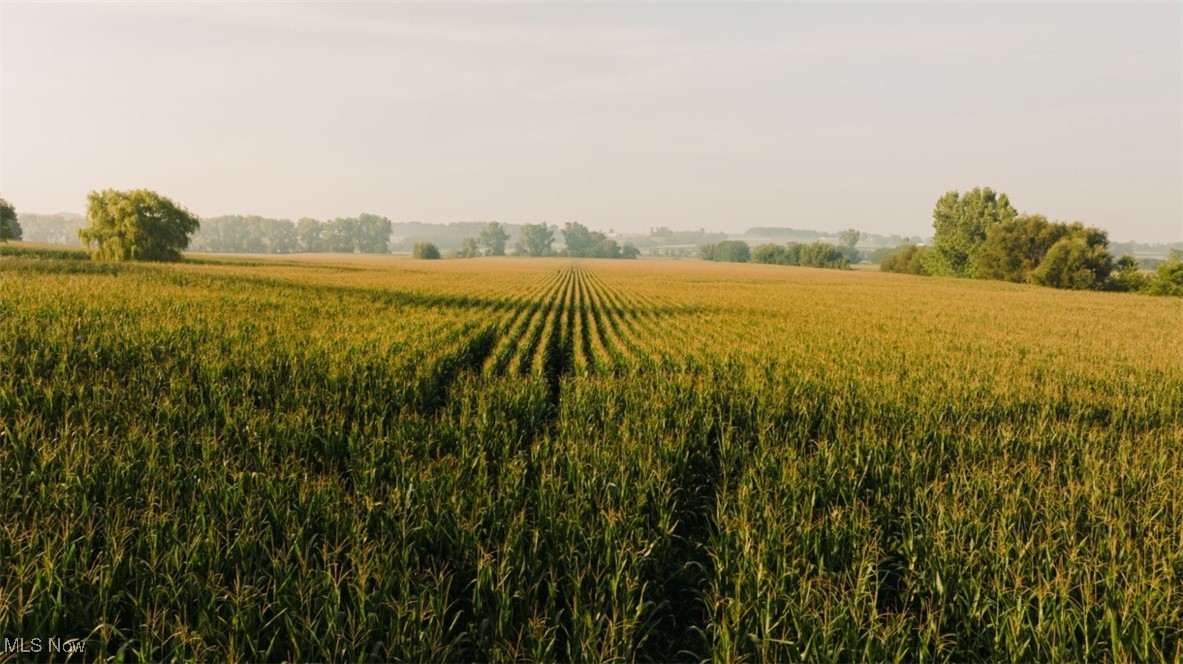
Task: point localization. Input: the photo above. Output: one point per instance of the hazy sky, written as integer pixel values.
(620, 116)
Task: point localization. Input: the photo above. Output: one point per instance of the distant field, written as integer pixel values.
(503, 459)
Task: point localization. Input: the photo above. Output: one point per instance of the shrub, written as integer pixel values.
(1073, 263)
(425, 250)
(908, 259)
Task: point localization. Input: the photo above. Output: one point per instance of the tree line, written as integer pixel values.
(979, 234)
(365, 233)
(812, 254)
(534, 240)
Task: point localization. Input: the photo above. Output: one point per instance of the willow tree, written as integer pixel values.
(137, 225)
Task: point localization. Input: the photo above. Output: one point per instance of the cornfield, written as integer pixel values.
(507, 459)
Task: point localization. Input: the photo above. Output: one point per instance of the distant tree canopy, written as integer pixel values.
(366, 233)
(584, 243)
(136, 225)
(535, 240)
(425, 250)
(728, 251)
(51, 228)
(824, 254)
(772, 254)
(10, 227)
(849, 237)
(246, 234)
(493, 238)
(813, 254)
(961, 223)
(469, 248)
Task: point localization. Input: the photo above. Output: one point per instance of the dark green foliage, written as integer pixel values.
(10, 227)
(961, 223)
(908, 259)
(1079, 261)
(45, 252)
(771, 254)
(629, 251)
(426, 250)
(137, 225)
(1014, 248)
(824, 254)
(1167, 278)
(1127, 276)
(814, 254)
(793, 251)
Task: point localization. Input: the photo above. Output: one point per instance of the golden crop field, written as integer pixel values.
(545, 459)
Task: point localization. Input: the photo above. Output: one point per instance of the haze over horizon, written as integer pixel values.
(618, 116)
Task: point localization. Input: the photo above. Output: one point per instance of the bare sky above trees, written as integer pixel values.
(618, 116)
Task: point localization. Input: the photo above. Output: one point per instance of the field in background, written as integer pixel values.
(498, 459)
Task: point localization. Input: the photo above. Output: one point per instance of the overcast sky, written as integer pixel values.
(620, 116)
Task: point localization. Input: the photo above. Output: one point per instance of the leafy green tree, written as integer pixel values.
(238, 234)
(961, 223)
(849, 238)
(1016, 246)
(604, 247)
(136, 225)
(732, 251)
(281, 236)
(629, 251)
(908, 259)
(1127, 276)
(373, 234)
(425, 250)
(707, 252)
(341, 235)
(469, 248)
(771, 253)
(10, 227)
(824, 254)
(1168, 277)
(308, 233)
(493, 238)
(1077, 262)
(535, 239)
(793, 253)
(579, 239)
